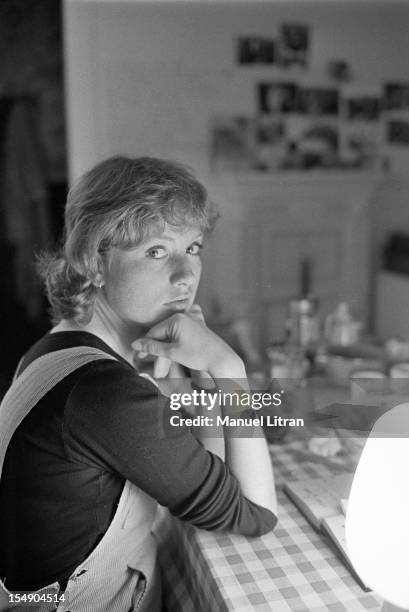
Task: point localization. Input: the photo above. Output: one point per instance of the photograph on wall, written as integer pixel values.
(231, 142)
(396, 96)
(269, 143)
(362, 108)
(318, 101)
(397, 132)
(277, 97)
(293, 44)
(318, 146)
(256, 50)
(361, 143)
(339, 70)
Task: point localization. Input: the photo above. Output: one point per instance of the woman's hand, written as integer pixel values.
(164, 367)
(184, 338)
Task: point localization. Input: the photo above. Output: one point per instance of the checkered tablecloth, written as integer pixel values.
(289, 570)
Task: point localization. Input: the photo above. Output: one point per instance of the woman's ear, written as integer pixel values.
(99, 282)
(99, 279)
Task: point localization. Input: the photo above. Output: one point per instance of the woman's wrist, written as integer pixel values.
(231, 367)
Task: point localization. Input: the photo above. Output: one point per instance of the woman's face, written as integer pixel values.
(155, 279)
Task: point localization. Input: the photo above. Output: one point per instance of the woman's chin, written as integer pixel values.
(143, 327)
(174, 308)
(166, 313)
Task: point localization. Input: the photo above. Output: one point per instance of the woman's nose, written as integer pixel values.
(182, 273)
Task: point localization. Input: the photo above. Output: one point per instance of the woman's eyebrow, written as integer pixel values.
(197, 236)
(157, 239)
(165, 237)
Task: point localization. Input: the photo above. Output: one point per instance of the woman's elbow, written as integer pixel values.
(261, 527)
(268, 502)
(272, 505)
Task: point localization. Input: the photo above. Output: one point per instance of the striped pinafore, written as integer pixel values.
(120, 574)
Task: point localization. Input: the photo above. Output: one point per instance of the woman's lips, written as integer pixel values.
(179, 303)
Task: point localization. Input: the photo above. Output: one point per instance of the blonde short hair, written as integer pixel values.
(118, 203)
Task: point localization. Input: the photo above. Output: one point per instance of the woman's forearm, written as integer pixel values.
(250, 462)
(247, 457)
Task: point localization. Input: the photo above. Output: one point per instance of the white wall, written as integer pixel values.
(145, 78)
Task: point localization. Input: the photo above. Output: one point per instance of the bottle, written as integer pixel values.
(302, 325)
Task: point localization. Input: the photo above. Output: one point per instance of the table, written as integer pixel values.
(289, 570)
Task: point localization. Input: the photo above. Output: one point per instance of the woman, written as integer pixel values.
(95, 451)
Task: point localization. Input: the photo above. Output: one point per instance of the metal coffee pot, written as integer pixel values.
(303, 323)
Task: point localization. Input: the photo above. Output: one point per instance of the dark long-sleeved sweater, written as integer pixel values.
(66, 465)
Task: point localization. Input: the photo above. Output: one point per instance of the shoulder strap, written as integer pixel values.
(36, 380)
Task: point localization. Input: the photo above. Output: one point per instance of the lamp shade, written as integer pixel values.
(377, 520)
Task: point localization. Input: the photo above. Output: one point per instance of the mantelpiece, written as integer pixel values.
(261, 184)
(284, 218)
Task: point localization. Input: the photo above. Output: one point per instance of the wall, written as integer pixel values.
(146, 77)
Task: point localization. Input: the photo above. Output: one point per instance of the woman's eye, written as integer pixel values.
(195, 248)
(156, 252)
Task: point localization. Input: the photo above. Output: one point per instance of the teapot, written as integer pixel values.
(340, 327)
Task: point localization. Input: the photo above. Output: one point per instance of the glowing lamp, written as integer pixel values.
(377, 520)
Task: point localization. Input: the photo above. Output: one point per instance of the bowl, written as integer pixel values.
(339, 369)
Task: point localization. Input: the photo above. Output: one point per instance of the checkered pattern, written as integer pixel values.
(289, 570)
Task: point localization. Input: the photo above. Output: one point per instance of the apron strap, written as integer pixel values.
(36, 380)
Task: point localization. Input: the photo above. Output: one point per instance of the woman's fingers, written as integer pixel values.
(152, 347)
(161, 367)
(165, 330)
(187, 340)
(196, 313)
